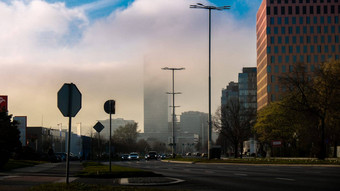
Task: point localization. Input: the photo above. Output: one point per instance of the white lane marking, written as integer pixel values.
(70, 179)
(287, 179)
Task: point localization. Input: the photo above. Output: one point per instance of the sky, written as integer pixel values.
(103, 45)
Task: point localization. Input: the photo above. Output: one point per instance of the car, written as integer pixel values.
(133, 156)
(151, 155)
(125, 157)
(162, 156)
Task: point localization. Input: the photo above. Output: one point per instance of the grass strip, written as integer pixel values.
(14, 164)
(88, 187)
(95, 170)
(264, 161)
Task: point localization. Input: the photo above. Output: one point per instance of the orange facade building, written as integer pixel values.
(290, 32)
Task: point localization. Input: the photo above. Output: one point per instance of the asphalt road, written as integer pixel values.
(244, 177)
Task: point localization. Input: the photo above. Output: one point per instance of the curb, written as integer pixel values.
(149, 181)
(179, 162)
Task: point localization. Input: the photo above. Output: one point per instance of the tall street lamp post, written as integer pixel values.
(173, 107)
(201, 6)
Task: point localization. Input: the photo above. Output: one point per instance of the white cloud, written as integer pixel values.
(45, 45)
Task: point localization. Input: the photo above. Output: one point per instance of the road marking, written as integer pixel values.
(287, 179)
(239, 174)
(6, 177)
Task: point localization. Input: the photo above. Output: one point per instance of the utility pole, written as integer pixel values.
(173, 107)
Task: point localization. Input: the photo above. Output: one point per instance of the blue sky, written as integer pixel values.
(104, 46)
(241, 9)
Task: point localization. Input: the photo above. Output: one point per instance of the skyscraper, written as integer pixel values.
(290, 32)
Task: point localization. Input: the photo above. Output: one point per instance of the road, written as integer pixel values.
(244, 177)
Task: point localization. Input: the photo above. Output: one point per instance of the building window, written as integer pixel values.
(302, 59)
(311, 9)
(272, 20)
(269, 69)
(272, 78)
(312, 68)
(304, 30)
(283, 11)
(311, 49)
(275, 10)
(272, 59)
(329, 39)
(326, 49)
(268, 30)
(283, 68)
(294, 39)
(304, 10)
(294, 59)
(336, 19)
(307, 20)
(336, 39)
(319, 49)
(318, 10)
(333, 48)
(333, 29)
(287, 59)
(301, 20)
(315, 20)
(279, 40)
(272, 40)
(332, 9)
(290, 49)
(279, 20)
(283, 30)
(315, 39)
(297, 30)
(293, 20)
(297, 49)
(286, 20)
(311, 30)
(279, 59)
(290, 10)
(322, 39)
(304, 49)
(268, 10)
(268, 50)
(276, 88)
(290, 30)
(290, 68)
(269, 88)
(325, 29)
(301, 39)
(318, 29)
(276, 30)
(276, 49)
(276, 69)
(308, 59)
(283, 49)
(297, 10)
(322, 20)
(316, 59)
(329, 20)
(325, 9)
(286, 39)
(308, 39)
(323, 58)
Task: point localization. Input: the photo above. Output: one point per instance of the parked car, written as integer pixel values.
(125, 157)
(162, 156)
(151, 155)
(62, 156)
(133, 156)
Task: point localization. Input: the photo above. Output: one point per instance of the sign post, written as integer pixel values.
(98, 127)
(109, 108)
(69, 104)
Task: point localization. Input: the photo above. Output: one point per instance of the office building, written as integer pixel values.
(290, 32)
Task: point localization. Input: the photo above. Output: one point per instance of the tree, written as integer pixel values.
(9, 137)
(234, 122)
(317, 97)
(125, 138)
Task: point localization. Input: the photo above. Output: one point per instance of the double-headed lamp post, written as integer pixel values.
(173, 107)
(201, 6)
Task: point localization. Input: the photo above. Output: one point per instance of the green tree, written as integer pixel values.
(234, 122)
(125, 137)
(9, 137)
(316, 96)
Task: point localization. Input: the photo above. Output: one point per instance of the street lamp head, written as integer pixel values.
(201, 6)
